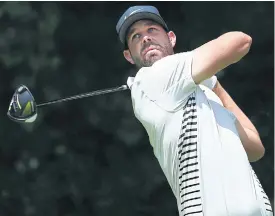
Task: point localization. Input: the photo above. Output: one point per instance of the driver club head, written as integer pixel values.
(22, 107)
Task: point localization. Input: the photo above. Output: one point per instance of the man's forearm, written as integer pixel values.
(248, 133)
(229, 104)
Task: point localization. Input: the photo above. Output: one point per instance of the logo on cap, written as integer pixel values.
(134, 12)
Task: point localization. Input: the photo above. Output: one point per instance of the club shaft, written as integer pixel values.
(88, 94)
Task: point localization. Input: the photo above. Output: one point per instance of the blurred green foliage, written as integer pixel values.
(92, 157)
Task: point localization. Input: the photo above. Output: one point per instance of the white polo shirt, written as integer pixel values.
(196, 142)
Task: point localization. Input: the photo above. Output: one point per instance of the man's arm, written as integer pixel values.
(248, 133)
(219, 53)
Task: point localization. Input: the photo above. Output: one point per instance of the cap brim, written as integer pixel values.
(136, 17)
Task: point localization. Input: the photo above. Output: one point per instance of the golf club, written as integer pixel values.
(23, 108)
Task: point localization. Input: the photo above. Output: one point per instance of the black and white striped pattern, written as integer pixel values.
(189, 181)
(264, 196)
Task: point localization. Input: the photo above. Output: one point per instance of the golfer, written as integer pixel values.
(203, 141)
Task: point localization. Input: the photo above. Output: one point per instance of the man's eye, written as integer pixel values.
(136, 36)
(151, 29)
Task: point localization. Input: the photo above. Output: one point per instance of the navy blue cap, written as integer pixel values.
(134, 14)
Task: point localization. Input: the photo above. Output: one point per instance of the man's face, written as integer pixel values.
(148, 42)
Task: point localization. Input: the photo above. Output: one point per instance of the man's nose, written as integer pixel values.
(146, 39)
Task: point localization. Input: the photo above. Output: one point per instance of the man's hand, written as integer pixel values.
(248, 133)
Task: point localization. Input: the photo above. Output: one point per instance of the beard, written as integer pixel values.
(148, 60)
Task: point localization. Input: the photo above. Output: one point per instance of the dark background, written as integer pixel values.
(91, 156)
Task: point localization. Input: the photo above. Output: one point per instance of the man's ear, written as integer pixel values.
(172, 37)
(128, 57)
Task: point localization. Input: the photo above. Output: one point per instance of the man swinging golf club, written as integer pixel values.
(203, 141)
